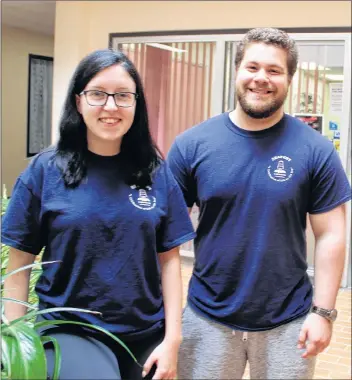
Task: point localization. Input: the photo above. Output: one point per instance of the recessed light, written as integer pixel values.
(337, 77)
(166, 47)
(312, 66)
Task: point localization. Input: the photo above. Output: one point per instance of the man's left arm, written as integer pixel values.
(329, 229)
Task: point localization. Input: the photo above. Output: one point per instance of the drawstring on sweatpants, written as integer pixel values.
(244, 337)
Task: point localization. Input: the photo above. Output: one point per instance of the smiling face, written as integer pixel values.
(262, 80)
(106, 125)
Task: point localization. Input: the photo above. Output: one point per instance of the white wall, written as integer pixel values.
(17, 44)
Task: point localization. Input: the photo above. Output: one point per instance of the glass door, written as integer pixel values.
(315, 97)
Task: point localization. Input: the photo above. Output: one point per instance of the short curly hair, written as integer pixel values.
(270, 36)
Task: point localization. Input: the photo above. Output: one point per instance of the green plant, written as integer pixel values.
(36, 271)
(307, 103)
(22, 346)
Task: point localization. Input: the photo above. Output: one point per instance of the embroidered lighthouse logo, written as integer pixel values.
(141, 199)
(281, 169)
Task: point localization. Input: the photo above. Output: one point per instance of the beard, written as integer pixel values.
(263, 111)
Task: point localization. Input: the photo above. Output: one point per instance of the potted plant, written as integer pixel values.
(22, 346)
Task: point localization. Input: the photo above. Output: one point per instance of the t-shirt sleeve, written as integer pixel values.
(20, 224)
(183, 174)
(330, 186)
(176, 227)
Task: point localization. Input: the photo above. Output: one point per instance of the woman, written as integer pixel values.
(104, 203)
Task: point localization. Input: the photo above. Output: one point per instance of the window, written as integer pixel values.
(40, 85)
(177, 78)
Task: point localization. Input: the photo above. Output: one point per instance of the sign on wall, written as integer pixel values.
(313, 120)
(335, 102)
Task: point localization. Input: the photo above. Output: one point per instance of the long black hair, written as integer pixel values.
(139, 153)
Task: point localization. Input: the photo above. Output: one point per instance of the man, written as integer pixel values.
(255, 173)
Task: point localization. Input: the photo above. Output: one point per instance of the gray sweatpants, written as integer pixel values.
(212, 351)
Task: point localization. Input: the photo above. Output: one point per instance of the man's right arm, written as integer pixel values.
(181, 170)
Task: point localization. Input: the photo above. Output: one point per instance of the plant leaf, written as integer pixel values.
(14, 363)
(25, 267)
(57, 350)
(35, 313)
(5, 355)
(101, 329)
(26, 353)
(9, 299)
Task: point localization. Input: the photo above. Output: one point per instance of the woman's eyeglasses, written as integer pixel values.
(100, 98)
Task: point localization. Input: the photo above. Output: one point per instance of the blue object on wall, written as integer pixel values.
(333, 126)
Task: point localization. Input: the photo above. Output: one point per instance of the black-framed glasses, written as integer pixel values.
(100, 98)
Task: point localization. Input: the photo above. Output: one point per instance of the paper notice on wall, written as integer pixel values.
(337, 135)
(335, 97)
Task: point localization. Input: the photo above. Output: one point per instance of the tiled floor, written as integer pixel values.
(335, 362)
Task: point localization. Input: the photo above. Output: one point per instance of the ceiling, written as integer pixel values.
(35, 16)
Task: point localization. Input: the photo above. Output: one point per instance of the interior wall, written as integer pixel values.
(17, 44)
(83, 26)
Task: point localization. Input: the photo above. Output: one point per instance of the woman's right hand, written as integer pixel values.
(165, 358)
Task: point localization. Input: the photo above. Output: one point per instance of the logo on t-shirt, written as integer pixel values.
(280, 170)
(141, 199)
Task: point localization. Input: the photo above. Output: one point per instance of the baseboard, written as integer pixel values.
(188, 254)
(310, 272)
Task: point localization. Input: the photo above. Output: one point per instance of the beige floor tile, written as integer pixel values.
(322, 374)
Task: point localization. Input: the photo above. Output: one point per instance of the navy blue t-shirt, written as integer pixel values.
(107, 235)
(254, 190)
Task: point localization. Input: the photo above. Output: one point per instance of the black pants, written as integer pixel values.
(93, 356)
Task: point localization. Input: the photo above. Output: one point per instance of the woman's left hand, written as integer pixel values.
(165, 358)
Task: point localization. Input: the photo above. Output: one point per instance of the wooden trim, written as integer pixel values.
(196, 100)
(190, 98)
(136, 56)
(204, 77)
(307, 88)
(323, 94)
(174, 118)
(299, 88)
(315, 94)
(143, 62)
(181, 90)
(210, 76)
(167, 103)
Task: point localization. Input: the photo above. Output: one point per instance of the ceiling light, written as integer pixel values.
(337, 77)
(166, 47)
(312, 66)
